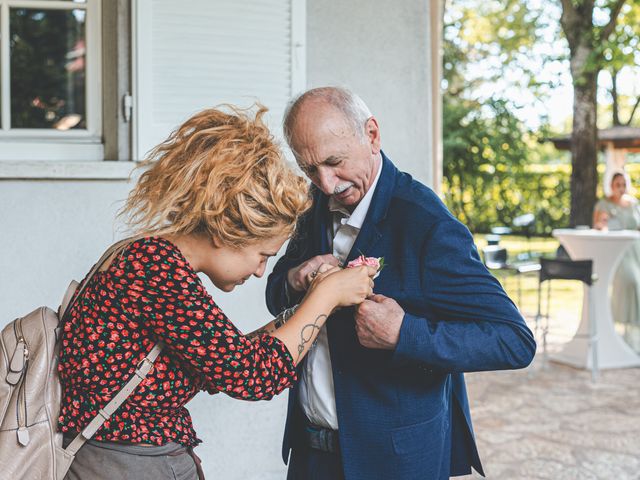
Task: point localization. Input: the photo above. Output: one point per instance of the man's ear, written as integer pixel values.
(372, 130)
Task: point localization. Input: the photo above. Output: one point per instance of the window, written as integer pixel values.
(50, 80)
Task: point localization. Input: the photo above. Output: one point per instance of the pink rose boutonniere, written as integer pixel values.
(375, 262)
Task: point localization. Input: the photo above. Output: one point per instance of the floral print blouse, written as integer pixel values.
(151, 293)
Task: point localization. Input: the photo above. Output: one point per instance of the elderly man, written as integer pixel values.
(382, 393)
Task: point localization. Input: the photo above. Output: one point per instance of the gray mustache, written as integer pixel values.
(340, 189)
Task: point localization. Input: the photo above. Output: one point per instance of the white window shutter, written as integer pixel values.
(200, 53)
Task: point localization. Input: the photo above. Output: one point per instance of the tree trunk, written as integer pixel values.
(586, 61)
(614, 96)
(633, 111)
(584, 152)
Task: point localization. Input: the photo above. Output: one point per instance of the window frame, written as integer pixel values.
(44, 144)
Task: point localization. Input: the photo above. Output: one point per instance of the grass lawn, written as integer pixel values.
(566, 295)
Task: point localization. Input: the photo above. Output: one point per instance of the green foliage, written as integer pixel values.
(44, 86)
(487, 181)
(620, 56)
(621, 48)
(541, 189)
(494, 168)
(592, 28)
(491, 33)
(486, 147)
(498, 199)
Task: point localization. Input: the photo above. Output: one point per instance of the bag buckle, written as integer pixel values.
(144, 367)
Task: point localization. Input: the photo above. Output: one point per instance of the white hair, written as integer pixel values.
(351, 105)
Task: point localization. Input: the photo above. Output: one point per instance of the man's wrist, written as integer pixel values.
(287, 292)
(289, 285)
(291, 295)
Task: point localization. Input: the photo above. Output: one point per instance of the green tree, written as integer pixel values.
(484, 147)
(622, 56)
(477, 53)
(485, 144)
(591, 28)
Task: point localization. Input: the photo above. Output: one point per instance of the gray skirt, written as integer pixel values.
(116, 461)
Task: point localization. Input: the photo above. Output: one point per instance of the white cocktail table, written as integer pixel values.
(605, 249)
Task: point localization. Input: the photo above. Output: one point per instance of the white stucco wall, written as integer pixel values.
(52, 231)
(380, 50)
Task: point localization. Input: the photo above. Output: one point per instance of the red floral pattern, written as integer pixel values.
(150, 293)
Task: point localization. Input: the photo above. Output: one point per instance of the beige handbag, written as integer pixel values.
(30, 443)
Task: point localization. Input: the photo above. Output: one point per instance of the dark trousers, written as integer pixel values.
(311, 464)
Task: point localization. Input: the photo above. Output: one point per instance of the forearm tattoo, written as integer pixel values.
(259, 332)
(307, 333)
(277, 322)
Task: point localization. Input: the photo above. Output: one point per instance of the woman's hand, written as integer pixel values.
(344, 287)
(600, 220)
(300, 277)
(330, 288)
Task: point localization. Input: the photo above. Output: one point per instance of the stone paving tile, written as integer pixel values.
(554, 423)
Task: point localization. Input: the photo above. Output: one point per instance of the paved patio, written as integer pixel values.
(554, 423)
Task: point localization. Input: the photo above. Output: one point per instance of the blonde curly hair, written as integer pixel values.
(222, 174)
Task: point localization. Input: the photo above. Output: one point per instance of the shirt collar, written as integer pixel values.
(356, 218)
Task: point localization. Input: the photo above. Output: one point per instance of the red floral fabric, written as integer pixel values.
(150, 293)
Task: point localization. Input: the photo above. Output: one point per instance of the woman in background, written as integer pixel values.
(620, 211)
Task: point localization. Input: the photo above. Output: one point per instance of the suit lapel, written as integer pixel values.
(319, 241)
(341, 331)
(370, 232)
(367, 238)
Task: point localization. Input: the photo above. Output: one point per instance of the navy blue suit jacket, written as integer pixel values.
(404, 414)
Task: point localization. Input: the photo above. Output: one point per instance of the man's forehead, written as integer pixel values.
(321, 149)
(319, 118)
(305, 162)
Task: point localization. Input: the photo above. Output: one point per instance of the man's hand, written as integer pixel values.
(378, 322)
(301, 276)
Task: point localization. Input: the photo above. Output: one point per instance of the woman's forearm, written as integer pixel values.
(332, 288)
(301, 330)
(268, 328)
(274, 324)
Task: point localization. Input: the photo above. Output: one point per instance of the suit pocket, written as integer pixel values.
(425, 436)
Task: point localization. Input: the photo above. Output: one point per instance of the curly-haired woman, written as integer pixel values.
(217, 198)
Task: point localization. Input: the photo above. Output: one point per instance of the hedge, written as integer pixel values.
(497, 197)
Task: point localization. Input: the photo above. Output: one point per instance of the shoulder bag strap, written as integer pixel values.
(141, 372)
(69, 300)
(144, 367)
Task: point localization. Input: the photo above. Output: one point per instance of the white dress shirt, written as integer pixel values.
(316, 391)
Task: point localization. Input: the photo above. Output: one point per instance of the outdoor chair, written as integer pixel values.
(500, 230)
(525, 224)
(561, 253)
(566, 269)
(496, 258)
(493, 239)
(522, 225)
